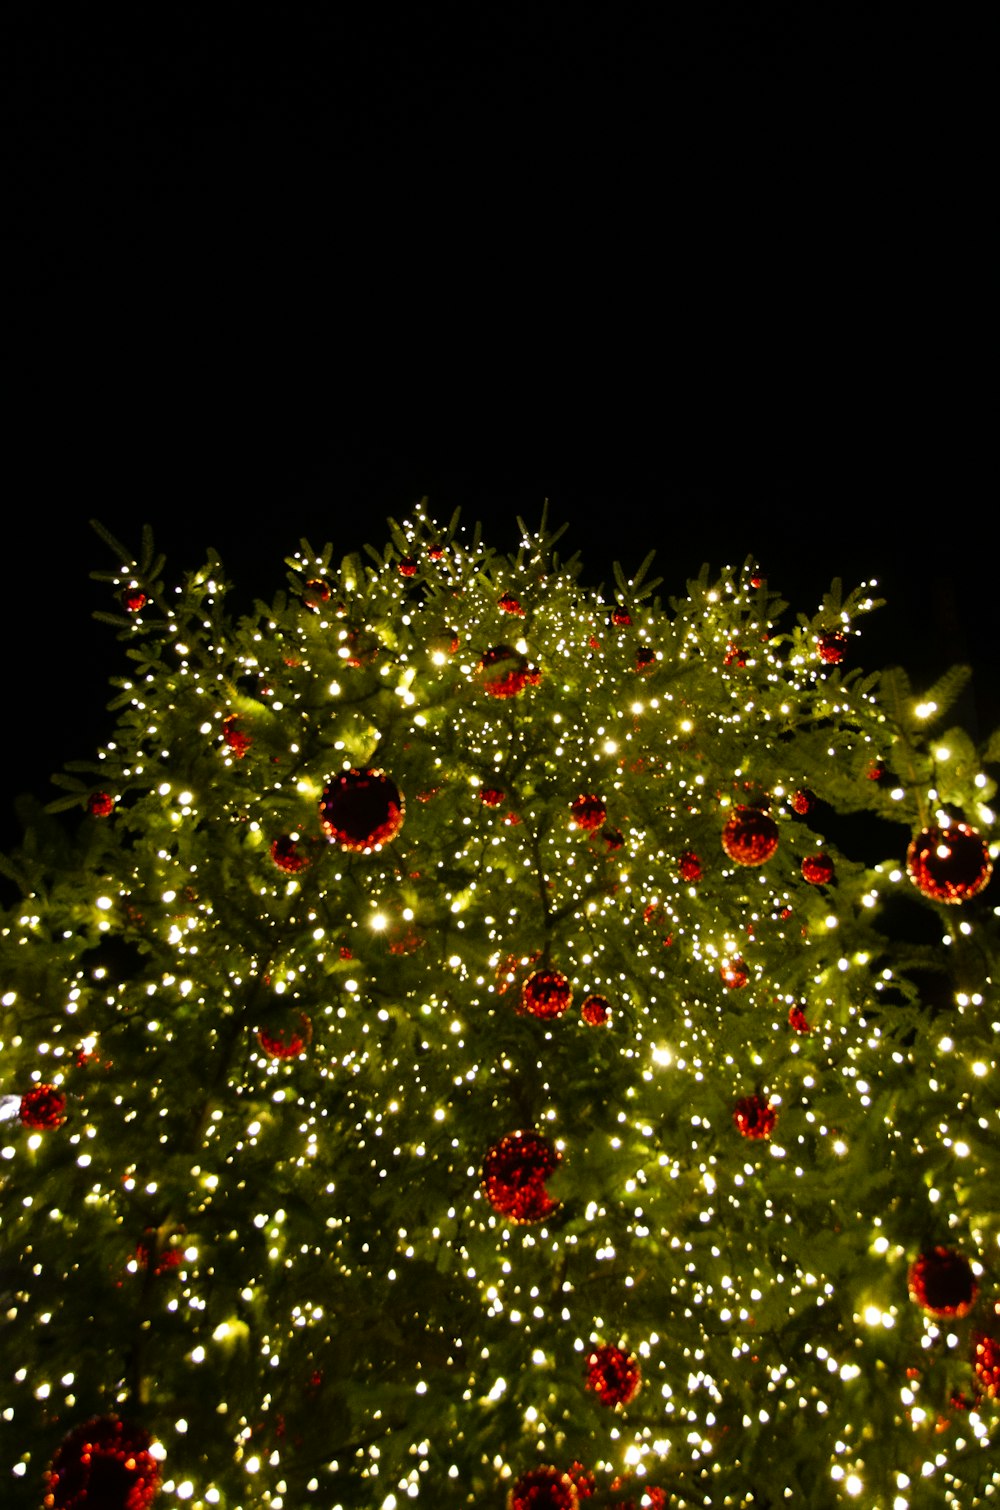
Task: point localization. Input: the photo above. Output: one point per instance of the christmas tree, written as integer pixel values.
(491, 1040)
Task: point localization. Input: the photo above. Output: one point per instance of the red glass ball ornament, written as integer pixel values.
(735, 655)
(817, 870)
(750, 837)
(645, 659)
(755, 1117)
(797, 1020)
(514, 1173)
(407, 567)
(316, 592)
(613, 838)
(613, 1375)
(100, 804)
(734, 973)
(234, 738)
(288, 1042)
(832, 647)
(942, 1281)
(435, 552)
(543, 1489)
(361, 809)
(104, 1464)
(595, 1011)
(803, 801)
(986, 1363)
(621, 618)
(510, 604)
(546, 994)
(949, 864)
(689, 866)
(43, 1106)
(504, 672)
(491, 796)
(287, 855)
(134, 600)
(588, 813)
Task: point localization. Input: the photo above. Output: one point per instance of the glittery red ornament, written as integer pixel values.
(645, 659)
(104, 1464)
(491, 796)
(43, 1106)
(613, 838)
(986, 1363)
(510, 604)
(803, 801)
(949, 864)
(798, 1021)
(504, 671)
(514, 1173)
(734, 973)
(361, 809)
(289, 1041)
(316, 592)
(735, 655)
(832, 647)
(588, 813)
(407, 567)
(287, 855)
(134, 600)
(942, 1281)
(543, 1489)
(877, 771)
(750, 837)
(595, 1011)
(435, 552)
(613, 1375)
(621, 617)
(546, 994)
(817, 870)
(235, 738)
(689, 866)
(755, 1117)
(100, 804)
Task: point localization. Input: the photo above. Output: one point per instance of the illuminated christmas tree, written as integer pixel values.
(493, 1041)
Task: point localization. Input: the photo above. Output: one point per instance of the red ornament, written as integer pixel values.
(750, 837)
(832, 647)
(645, 659)
(435, 552)
(621, 618)
(803, 801)
(798, 1021)
(546, 994)
(504, 672)
(543, 1489)
(134, 600)
(105, 1464)
(588, 813)
(407, 567)
(817, 870)
(689, 866)
(613, 1375)
(509, 604)
(755, 1117)
(490, 796)
(235, 738)
(289, 1041)
(949, 864)
(514, 1173)
(756, 581)
(734, 973)
(43, 1106)
(595, 1011)
(613, 838)
(287, 856)
(942, 1281)
(100, 804)
(735, 656)
(986, 1363)
(316, 592)
(443, 642)
(361, 809)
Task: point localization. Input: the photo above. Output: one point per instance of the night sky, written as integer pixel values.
(712, 285)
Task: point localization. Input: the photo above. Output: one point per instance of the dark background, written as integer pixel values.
(712, 281)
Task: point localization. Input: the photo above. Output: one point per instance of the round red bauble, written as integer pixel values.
(100, 804)
(287, 855)
(235, 738)
(734, 973)
(817, 870)
(105, 1464)
(546, 994)
(316, 592)
(986, 1363)
(504, 671)
(621, 618)
(942, 1281)
(134, 600)
(832, 647)
(491, 796)
(797, 1020)
(288, 1042)
(613, 1375)
(595, 1011)
(510, 604)
(407, 567)
(645, 659)
(543, 1489)
(750, 837)
(588, 813)
(803, 801)
(514, 1173)
(949, 864)
(43, 1106)
(613, 838)
(755, 1117)
(689, 866)
(361, 809)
